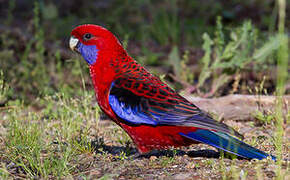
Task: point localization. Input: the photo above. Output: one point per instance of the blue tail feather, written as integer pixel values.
(227, 143)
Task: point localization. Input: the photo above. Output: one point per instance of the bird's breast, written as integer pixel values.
(102, 79)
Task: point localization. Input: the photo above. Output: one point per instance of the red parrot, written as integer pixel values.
(154, 115)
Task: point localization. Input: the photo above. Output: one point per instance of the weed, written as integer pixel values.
(11, 7)
(4, 174)
(186, 74)
(258, 172)
(234, 171)
(264, 118)
(168, 160)
(174, 60)
(39, 71)
(149, 58)
(224, 58)
(44, 144)
(210, 162)
(3, 88)
(222, 167)
(166, 26)
(126, 41)
(282, 65)
(25, 144)
(182, 73)
(123, 138)
(122, 156)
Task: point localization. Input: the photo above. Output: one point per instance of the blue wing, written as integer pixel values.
(137, 106)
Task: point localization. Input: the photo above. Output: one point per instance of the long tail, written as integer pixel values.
(227, 143)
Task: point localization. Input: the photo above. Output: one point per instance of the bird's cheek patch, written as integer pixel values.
(89, 53)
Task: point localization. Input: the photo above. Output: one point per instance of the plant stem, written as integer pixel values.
(282, 65)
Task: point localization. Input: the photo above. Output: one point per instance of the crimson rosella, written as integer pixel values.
(154, 115)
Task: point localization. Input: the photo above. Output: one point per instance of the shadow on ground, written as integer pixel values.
(100, 147)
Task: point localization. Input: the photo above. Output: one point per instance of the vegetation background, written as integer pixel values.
(49, 119)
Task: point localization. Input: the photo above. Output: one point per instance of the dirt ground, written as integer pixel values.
(194, 162)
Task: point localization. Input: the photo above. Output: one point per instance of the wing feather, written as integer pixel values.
(136, 101)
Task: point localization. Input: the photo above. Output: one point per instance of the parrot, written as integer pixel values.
(155, 116)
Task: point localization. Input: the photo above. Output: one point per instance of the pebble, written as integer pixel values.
(190, 165)
(272, 167)
(242, 175)
(182, 176)
(153, 158)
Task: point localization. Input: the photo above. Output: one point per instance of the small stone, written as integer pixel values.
(272, 167)
(185, 156)
(190, 165)
(287, 176)
(153, 158)
(242, 175)
(182, 176)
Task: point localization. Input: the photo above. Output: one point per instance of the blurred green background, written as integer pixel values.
(206, 47)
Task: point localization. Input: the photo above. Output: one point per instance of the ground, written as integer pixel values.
(95, 147)
(197, 161)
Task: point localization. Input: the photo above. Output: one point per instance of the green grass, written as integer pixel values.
(48, 143)
(282, 76)
(228, 57)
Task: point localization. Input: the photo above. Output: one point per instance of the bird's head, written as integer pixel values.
(89, 40)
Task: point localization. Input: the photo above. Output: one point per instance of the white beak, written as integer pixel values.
(73, 43)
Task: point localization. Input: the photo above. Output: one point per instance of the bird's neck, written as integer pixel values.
(109, 65)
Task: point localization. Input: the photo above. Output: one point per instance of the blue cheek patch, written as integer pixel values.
(89, 52)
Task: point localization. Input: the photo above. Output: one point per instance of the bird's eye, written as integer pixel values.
(87, 36)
